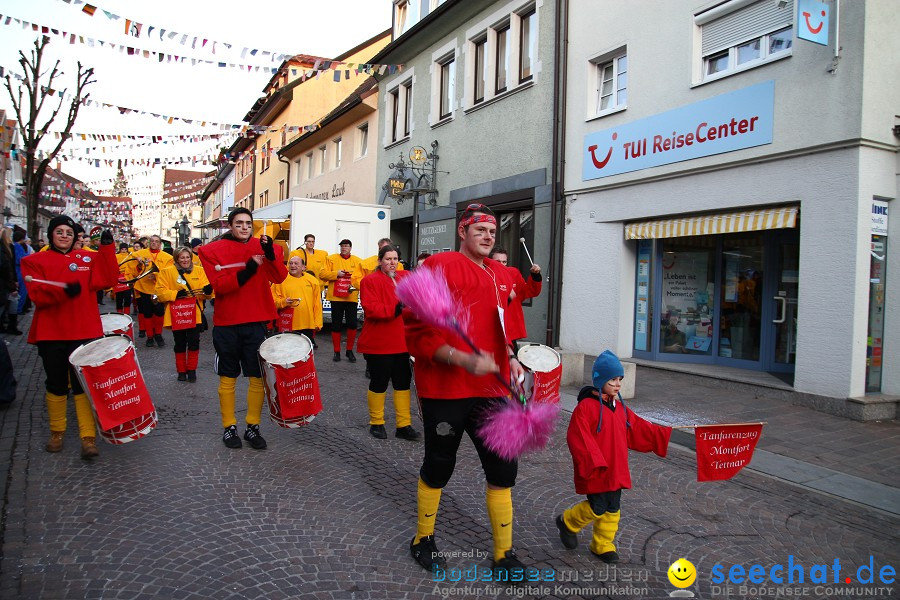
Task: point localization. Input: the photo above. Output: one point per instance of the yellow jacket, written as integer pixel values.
(352, 264)
(315, 261)
(162, 259)
(306, 289)
(169, 281)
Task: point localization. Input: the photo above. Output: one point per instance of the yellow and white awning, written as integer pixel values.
(783, 217)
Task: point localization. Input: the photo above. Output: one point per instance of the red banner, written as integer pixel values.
(117, 390)
(286, 320)
(546, 385)
(341, 287)
(297, 390)
(723, 450)
(184, 315)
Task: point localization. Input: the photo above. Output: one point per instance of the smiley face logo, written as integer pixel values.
(818, 28)
(601, 163)
(682, 573)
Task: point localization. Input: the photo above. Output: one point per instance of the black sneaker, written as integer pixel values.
(509, 569)
(350, 356)
(609, 558)
(251, 434)
(142, 334)
(192, 376)
(407, 433)
(337, 357)
(568, 538)
(149, 342)
(230, 437)
(182, 377)
(426, 553)
(378, 431)
(159, 340)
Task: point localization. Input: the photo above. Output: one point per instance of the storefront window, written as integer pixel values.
(688, 282)
(742, 286)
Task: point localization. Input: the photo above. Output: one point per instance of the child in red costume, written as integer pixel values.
(601, 432)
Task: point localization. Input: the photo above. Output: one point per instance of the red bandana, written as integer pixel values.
(480, 218)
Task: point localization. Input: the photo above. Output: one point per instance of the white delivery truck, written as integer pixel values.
(330, 221)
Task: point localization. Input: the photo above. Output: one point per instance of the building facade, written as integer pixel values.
(729, 169)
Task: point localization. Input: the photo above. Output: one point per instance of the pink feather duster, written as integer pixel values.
(513, 428)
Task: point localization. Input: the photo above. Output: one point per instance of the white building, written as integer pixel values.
(723, 163)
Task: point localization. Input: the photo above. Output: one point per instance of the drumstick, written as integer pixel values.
(231, 266)
(521, 239)
(29, 279)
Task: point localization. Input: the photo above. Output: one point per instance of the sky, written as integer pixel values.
(202, 92)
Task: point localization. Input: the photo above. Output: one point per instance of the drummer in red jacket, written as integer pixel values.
(384, 347)
(601, 432)
(66, 316)
(522, 290)
(240, 269)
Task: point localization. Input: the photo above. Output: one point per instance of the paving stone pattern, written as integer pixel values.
(327, 511)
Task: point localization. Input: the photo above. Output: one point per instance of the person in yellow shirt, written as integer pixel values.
(341, 269)
(146, 286)
(315, 259)
(301, 292)
(127, 270)
(370, 265)
(184, 280)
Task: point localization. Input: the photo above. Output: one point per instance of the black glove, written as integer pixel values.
(247, 272)
(207, 289)
(268, 247)
(536, 276)
(181, 294)
(399, 310)
(106, 237)
(73, 289)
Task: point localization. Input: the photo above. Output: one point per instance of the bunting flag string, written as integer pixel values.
(243, 129)
(319, 64)
(108, 183)
(134, 29)
(120, 147)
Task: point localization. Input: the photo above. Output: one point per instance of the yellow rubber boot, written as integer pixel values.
(401, 408)
(256, 396)
(605, 527)
(87, 427)
(428, 499)
(500, 511)
(376, 407)
(578, 516)
(226, 400)
(56, 412)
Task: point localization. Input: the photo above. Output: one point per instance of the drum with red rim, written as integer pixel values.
(111, 377)
(117, 324)
(543, 372)
(292, 384)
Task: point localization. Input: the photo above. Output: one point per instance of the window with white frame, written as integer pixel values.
(281, 195)
(527, 42)
(323, 158)
(299, 177)
(338, 153)
(363, 137)
(399, 107)
(480, 55)
(609, 78)
(444, 84)
(501, 58)
(310, 167)
(742, 34)
(406, 14)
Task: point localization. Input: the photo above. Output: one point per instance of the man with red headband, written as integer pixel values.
(456, 385)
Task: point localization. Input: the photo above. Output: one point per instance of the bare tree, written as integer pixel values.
(28, 110)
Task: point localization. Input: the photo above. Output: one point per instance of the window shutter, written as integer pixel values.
(744, 24)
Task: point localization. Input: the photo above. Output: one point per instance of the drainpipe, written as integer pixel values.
(287, 189)
(557, 208)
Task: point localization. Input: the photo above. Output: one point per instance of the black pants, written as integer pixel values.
(237, 348)
(388, 368)
(123, 300)
(55, 356)
(148, 308)
(187, 339)
(605, 502)
(7, 377)
(445, 421)
(341, 311)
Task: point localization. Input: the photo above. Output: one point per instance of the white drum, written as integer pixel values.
(543, 372)
(117, 324)
(111, 377)
(292, 385)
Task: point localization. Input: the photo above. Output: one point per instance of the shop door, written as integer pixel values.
(780, 353)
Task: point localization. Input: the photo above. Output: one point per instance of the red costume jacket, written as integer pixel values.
(383, 331)
(59, 317)
(599, 436)
(252, 302)
(525, 289)
(477, 293)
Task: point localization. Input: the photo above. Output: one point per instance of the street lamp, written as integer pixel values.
(184, 230)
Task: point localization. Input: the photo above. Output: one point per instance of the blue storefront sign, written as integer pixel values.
(724, 123)
(812, 21)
